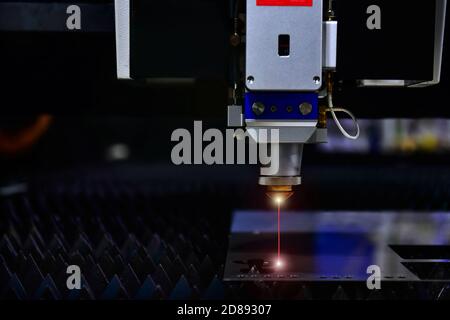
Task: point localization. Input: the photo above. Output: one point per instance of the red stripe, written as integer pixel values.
(290, 3)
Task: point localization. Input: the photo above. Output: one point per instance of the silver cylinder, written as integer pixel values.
(289, 170)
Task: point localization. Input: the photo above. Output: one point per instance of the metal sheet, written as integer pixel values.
(339, 246)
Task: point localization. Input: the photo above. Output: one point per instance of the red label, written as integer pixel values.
(289, 3)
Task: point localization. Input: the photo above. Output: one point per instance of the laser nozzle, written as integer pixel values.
(279, 194)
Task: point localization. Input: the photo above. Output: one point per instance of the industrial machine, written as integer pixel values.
(93, 90)
(289, 56)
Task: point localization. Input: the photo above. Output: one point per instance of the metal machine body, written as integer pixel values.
(291, 57)
(283, 74)
(288, 55)
(283, 46)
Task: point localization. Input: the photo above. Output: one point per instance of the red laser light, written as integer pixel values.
(279, 234)
(279, 196)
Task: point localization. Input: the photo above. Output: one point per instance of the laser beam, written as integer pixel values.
(279, 235)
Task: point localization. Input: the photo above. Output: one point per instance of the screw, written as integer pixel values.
(235, 40)
(305, 108)
(273, 108)
(258, 108)
(250, 79)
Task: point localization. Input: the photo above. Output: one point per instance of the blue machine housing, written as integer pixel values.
(277, 105)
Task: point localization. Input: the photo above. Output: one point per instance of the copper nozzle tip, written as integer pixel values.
(279, 193)
(279, 189)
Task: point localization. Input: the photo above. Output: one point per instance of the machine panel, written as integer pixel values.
(387, 40)
(284, 47)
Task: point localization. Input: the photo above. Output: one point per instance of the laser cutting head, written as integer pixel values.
(283, 79)
(290, 59)
(289, 169)
(294, 126)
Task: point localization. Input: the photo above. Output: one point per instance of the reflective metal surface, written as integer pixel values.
(339, 246)
(301, 69)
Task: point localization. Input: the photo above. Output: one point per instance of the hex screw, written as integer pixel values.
(305, 108)
(258, 108)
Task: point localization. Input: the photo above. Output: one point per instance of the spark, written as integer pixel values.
(279, 200)
(279, 264)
